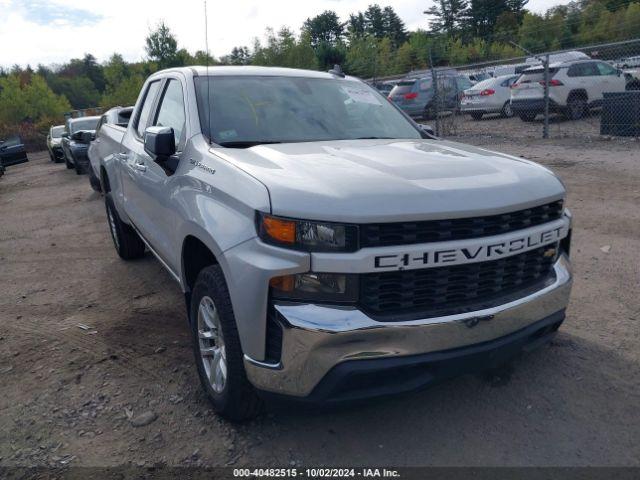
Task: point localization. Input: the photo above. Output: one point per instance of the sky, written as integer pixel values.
(54, 31)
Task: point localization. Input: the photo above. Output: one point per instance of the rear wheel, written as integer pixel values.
(527, 117)
(94, 181)
(506, 110)
(477, 115)
(217, 349)
(128, 243)
(576, 106)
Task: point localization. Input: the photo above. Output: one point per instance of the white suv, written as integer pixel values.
(574, 88)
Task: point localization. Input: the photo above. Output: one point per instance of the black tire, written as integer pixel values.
(477, 115)
(576, 107)
(506, 111)
(527, 117)
(237, 399)
(78, 168)
(94, 181)
(68, 163)
(125, 239)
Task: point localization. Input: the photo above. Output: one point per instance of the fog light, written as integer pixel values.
(312, 286)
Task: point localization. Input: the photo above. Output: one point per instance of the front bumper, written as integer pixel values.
(318, 341)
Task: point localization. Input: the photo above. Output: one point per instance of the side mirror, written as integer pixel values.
(87, 136)
(428, 129)
(77, 136)
(160, 144)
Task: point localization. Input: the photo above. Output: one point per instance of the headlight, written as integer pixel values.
(315, 287)
(307, 235)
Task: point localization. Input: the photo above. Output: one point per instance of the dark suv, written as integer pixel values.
(415, 96)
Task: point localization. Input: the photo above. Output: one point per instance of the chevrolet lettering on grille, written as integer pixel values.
(483, 249)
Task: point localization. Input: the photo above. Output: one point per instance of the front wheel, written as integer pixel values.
(68, 163)
(217, 349)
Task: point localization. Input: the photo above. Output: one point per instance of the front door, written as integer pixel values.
(149, 201)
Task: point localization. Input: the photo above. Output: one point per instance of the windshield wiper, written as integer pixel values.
(245, 143)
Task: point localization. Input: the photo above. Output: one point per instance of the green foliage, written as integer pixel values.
(283, 49)
(29, 102)
(162, 47)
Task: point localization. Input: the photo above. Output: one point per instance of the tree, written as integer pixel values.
(32, 102)
(393, 27)
(448, 16)
(324, 29)
(161, 46)
(374, 21)
(356, 26)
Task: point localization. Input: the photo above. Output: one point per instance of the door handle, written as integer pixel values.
(141, 167)
(122, 156)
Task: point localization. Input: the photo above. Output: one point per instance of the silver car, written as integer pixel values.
(489, 96)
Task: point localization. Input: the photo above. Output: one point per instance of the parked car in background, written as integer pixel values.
(75, 142)
(501, 70)
(575, 87)
(12, 151)
(54, 143)
(385, 87)
(632, 79)
(108, 135)
(629, 62)
(489, 96)
(416, 96)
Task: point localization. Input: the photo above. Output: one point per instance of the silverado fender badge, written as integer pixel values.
(201, 166)
(472, 322)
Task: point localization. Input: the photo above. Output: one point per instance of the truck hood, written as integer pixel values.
(393, 180)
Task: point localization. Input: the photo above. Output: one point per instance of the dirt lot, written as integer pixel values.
(67, 394)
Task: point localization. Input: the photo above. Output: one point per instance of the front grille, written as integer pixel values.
(406, 233)
(430, 292)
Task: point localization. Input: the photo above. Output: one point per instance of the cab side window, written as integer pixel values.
(145, 110)
(171, 111)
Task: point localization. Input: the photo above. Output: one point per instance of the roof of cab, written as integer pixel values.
(226, 70)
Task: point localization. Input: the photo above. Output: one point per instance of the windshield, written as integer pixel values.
(249, 110)
(56, 132)
(84, 124)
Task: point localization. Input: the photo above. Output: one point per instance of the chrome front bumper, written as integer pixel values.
(316, 338)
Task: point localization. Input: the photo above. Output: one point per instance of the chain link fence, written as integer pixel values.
(586, 92)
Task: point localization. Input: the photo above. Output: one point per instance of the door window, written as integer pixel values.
(171, 111)
(145, 110)
(606, 69)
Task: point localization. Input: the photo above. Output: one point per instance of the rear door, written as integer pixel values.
(133, 159)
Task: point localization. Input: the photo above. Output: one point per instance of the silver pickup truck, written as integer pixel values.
(330, 249)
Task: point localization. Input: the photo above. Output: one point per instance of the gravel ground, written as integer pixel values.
(96, 365)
